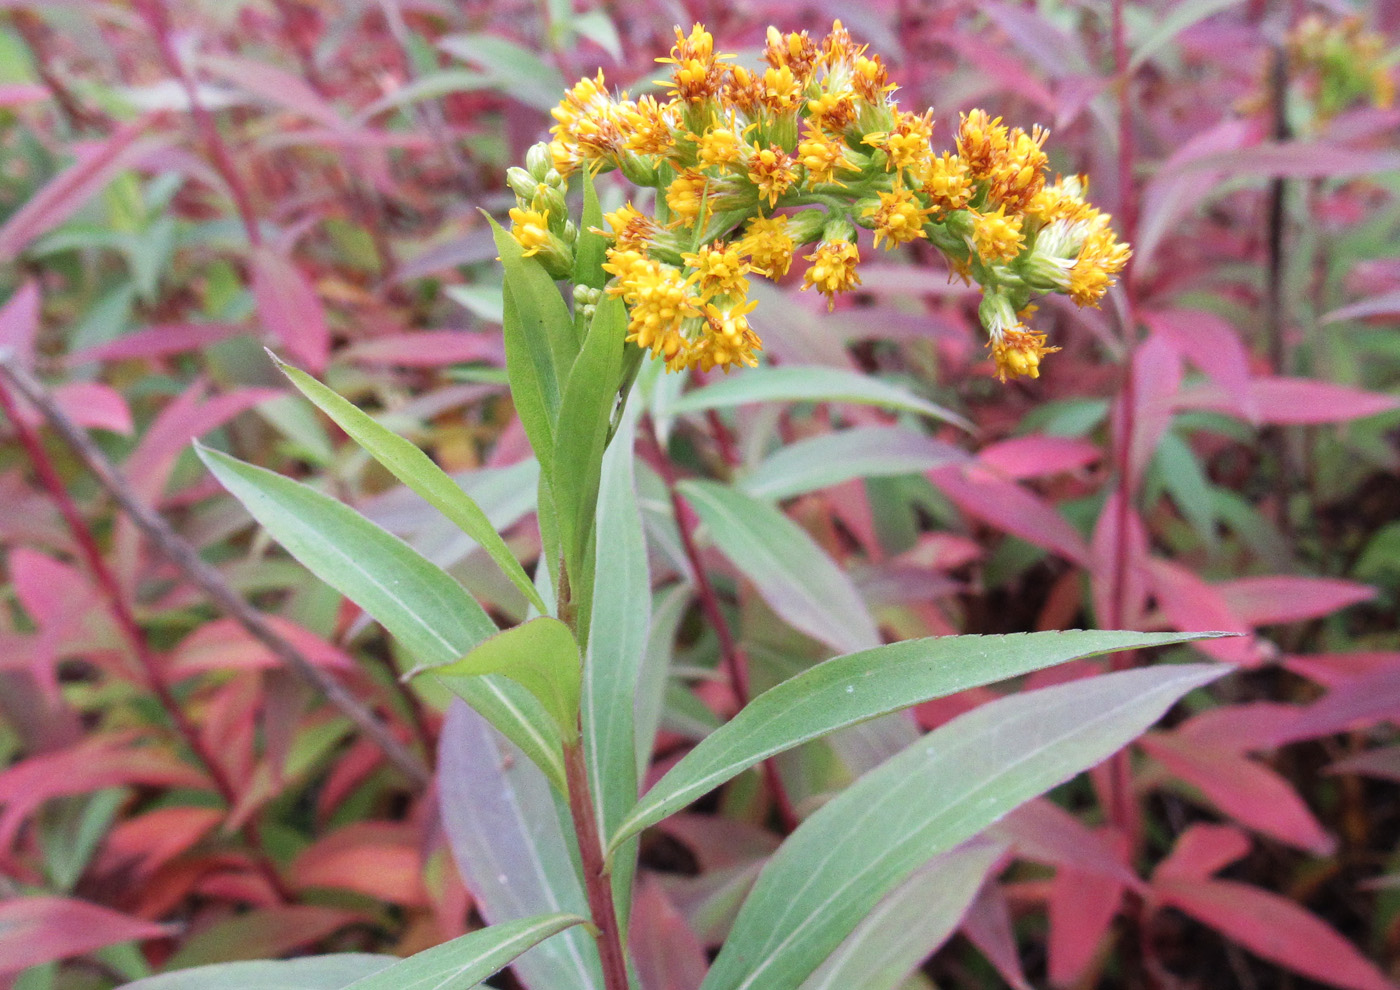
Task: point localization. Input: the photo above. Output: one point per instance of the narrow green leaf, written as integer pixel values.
(466, 961)
(582, 431)
(831, 458)
(810, 383)
(416, 470)
(420, 604)
(617, 643)
(590, 250)
(910, 923)
(945, 788)
(851, 689)
(541, 656)
(533, 319)
(794, 575)
(333, 972)
(1176, 20)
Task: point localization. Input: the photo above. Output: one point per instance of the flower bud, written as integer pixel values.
(539, 161)
(521, 182)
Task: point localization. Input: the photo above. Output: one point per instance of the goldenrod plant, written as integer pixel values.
(749, 167)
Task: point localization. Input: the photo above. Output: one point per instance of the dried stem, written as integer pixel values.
(184, 556)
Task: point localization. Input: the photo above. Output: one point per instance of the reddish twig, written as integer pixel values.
(597, 881)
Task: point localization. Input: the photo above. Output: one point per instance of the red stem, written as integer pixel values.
(131, 629)
(735, 662)
(597, 881)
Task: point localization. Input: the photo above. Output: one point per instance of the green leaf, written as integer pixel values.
(540, 655)
(831, 458)
(465, 961)
(421, 605)
(910, 924)
(590, 250)
(945, 788)
(333, 972)
(810, 383)
(582, 432)
(850, 689)
(794, 575)
(517, 71)
(534, 322)
(1178, 19)
(416, 470)
(617, 643)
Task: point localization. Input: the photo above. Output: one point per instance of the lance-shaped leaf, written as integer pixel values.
(945, 788)
(794, 575)
(850, 689)
(466, 961)
(416, 470)
(419, 603)
(332, 972)
(809, 383)
(540, 655)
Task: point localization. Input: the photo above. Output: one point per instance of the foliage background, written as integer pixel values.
(181, 184)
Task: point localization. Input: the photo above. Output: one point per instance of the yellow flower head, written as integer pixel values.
(1018, 352)
(697, 74)
(771, 170)
(768, 246)
(821, 155)
(649, 126)
(833, 109)
(996, 236)
(907, 142)
(530, 230)
(946, 182)
(833, 269)
(630, 227)
(658, 302)
(1018, 175)
(838, 50)
(1101, 258)
(794, 51)
(588, 125)
(898, 219)
(780, 90)
(982, 142)
(685, 196)
(727, 339)
(721, 145)
(719, 269)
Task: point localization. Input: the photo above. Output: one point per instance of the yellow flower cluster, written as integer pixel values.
(749, 164)
(1345, 61)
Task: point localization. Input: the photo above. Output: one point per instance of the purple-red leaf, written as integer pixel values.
(290, 308)
(1201, 851)
(36, 930)
(1292, 401)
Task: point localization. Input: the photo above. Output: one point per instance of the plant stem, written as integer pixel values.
(597, 882)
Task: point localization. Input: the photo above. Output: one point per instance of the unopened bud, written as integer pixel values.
(539, 161)
(521, 182)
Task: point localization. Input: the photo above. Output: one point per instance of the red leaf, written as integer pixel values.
(1385, 304)
(15, 94)
(1212, 345)
(225, 645)
(665, 949)
(19, 322)
(1241, 727)
(429, 349)
(1202, 850)
(289, 308)
(1334, 669)
(1009, 507)
(987, 925)
(75, 185)
(1276, 929)
(90, 765)
(36, 930)
(1038, 455)
(149, 841)
(1156, 381)
(1265, 601)
(1192, 605)
(1242, 788)
(263, 933)
(1042, 831)
(1116, 580)
(157, 341)
(377, 859)
(1363, 700)
(1293, 401)
(274, 85)
(1383, 763)
(94, 405)
(1081, 910)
